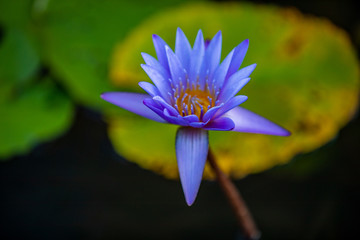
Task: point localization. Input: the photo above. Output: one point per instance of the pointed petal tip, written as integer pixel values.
(190, 196)
(287, 133)
(190, 201)
(143, 54)
(251, 68)
(282, 132)
(246, 80)
(218, 34)
(243, 45)
(243, 98)
(143, 84)
(217, 38)
(144, 66)
(106, 95)
(155, 38)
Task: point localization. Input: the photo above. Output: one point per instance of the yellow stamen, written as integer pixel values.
(194, 101)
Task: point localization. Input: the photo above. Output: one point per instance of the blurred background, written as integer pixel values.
(62, 178)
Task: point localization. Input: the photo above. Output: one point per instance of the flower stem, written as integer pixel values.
(242, 213)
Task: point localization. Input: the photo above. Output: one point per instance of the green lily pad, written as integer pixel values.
(18, 57)
(32, 110)
(79, 36)
(15, 13)
(30, 116)
(307, 80)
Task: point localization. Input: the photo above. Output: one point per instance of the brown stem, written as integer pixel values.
(242, 213)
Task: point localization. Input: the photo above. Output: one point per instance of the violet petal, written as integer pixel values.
(178, 120)
(182, 49)
(159, 45)
(220, 124)
(238, 57)
(154, 106)
(152, 62)
(211, 112)
(247, 121)
(171, 109)
(132, 102)
(213, 52)
(197, 56)
(158, 79)
(220, 73)
(192, 146)
(176, 68)
(191, 118)
(149, 88)
(233, 102)
(232, 87)
(197, 124)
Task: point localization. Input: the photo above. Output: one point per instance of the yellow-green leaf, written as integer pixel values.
(307, 80)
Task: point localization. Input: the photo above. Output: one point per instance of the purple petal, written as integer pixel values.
(191, 118)
(247, 121)
(132, 102)
(211, 112)
(221, 70)
(182, 49)
(164, 113)
(233, 102)
(246, 71)
(232, 87)
(176, 69)
(197, 56)
(149, 88)
(177, 120)
(220, 124)
(242, 73)
(192, 146)
(152, 62)
(236, 81)
(211, 59)
(160, 82)
(197, 124)
(154, 106)
(238, 57)
(159, 45)
(171, 109)
(213, 52)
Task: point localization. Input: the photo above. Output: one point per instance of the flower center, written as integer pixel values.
(193, 101)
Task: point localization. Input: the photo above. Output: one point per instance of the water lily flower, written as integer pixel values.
(194, 90)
